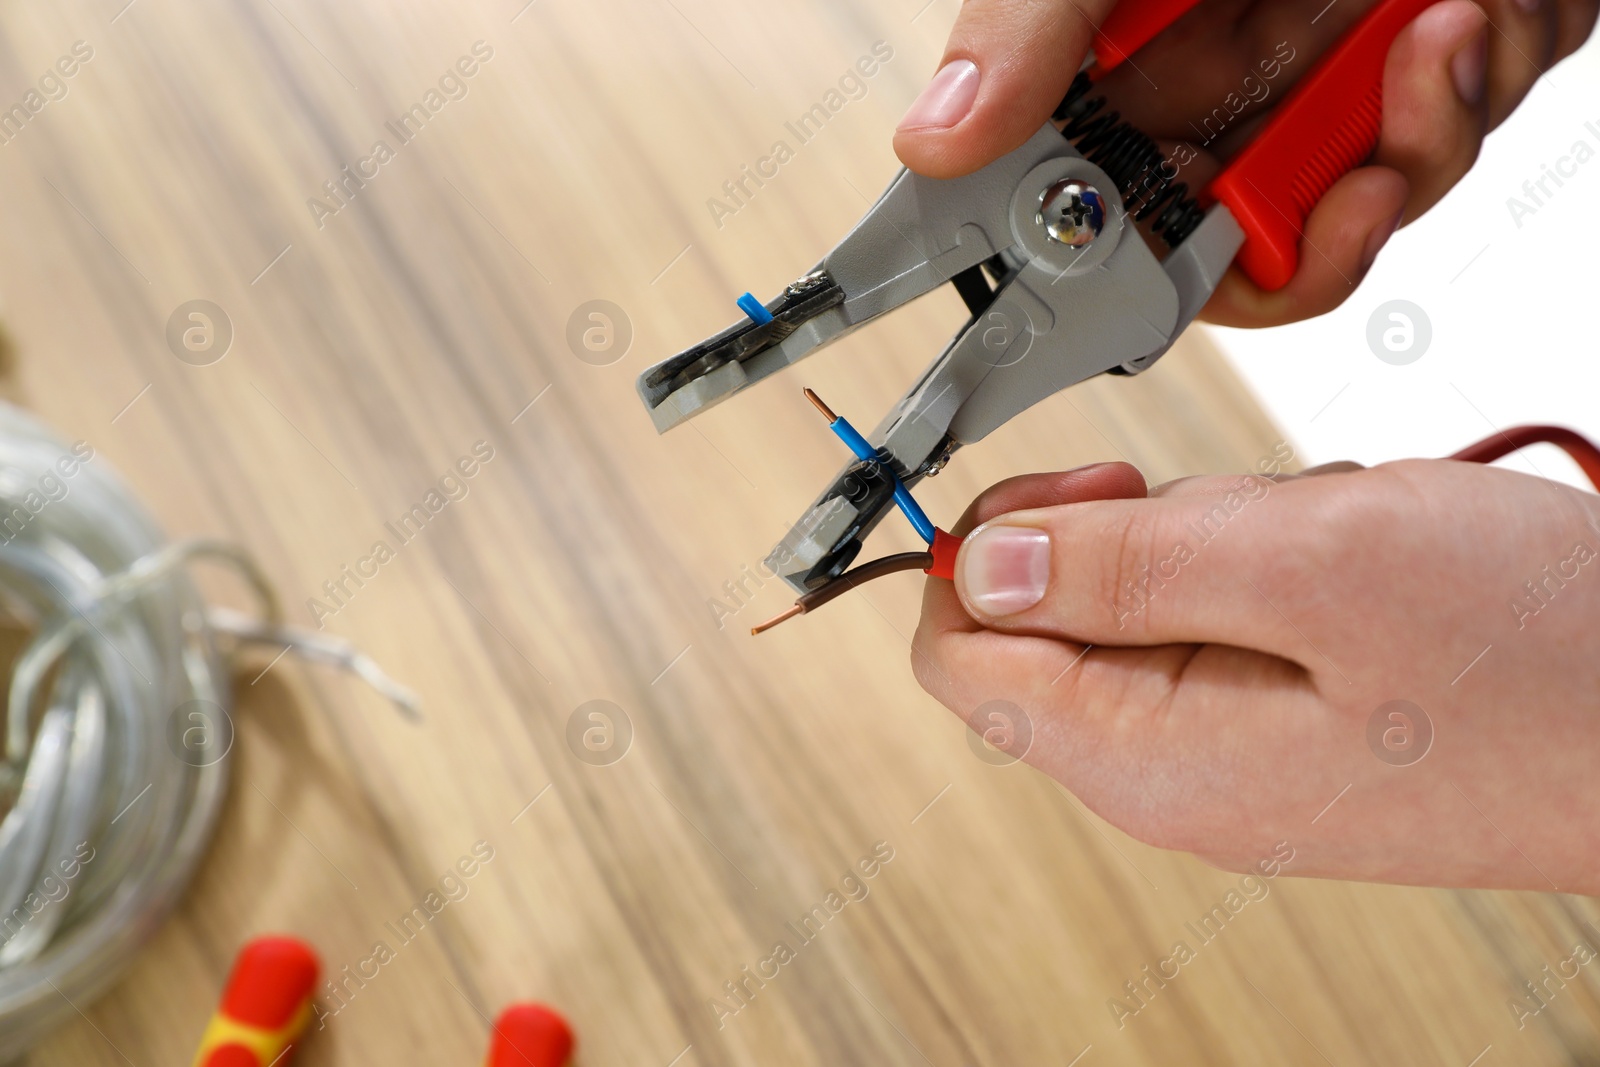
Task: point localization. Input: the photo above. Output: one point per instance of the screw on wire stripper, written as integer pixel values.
(1060, 286)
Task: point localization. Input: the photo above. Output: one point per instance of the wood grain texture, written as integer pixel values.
(373, 351)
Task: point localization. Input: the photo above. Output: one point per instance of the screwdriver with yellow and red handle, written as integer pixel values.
(265, 1006)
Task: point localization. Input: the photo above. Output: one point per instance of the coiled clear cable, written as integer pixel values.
(106, 812)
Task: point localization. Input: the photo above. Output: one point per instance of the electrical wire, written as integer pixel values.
(108, 806)
(902, 561)
(1583, 452)
(1498, 446)
(867, 454)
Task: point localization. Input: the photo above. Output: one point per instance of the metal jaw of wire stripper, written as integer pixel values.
(1043, 247)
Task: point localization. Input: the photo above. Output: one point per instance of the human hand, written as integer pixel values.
(1202, 666)
(1452, 75)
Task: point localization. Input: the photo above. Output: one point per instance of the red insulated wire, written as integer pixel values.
(1580, 448)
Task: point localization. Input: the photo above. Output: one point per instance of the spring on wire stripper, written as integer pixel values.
(1130, 157)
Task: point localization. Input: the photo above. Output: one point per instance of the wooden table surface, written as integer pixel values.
(381, 337)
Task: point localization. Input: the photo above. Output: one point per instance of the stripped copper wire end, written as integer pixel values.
(821, 406)
(788, 613)
(903, 561)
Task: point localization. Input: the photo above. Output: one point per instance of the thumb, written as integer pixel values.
(1006, 67)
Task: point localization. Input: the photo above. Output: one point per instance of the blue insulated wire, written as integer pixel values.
(913, 511)
(902, 496)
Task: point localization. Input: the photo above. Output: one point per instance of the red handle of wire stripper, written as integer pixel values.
(1326, 128)
(1131, 25)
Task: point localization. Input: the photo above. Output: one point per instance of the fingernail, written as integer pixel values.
(1469, 66)
(946, 100)
(1005, 569)
(1529, 6)
(1377, 239)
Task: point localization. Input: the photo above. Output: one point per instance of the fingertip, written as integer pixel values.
(1436, 100)
(1004, 70)
(1441, 30)
(942, 612)
(928, 139)
(1437, 70)
(1469, 67)
(1337, 466)
(967, 117)
(1003, 570)
(1445, 27)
